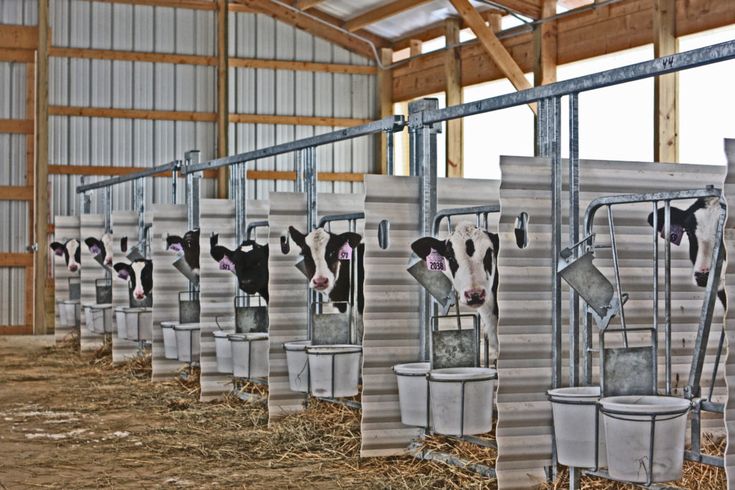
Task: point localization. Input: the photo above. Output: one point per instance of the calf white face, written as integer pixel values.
(471, 254)
(321, 251)
(137, 268)
(71, 252)
(140, 275)
(107, 242)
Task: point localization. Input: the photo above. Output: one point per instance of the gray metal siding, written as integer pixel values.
(730, 320)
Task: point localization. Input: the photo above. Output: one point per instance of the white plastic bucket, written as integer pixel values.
(334, 370)
(121, 322)
(574, 410)
(98, 318)
(249, 355)
(69, 313)
(413, 391)
(223, 351)
(298, 365)
(187, 342)
(169, 340)
(628, 423)
(462, 400)
(139, 324)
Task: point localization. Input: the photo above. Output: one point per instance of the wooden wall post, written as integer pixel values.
(453, 69)
(416, 47)
(222, 95)
(385, 98)
(545, 53)
(666, 87)
(40, 218)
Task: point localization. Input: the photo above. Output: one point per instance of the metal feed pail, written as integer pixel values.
(189, 307)
(103, 291)
(250, 318)
(435, 282)
(182, 266)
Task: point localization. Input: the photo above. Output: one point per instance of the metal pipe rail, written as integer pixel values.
(166, 167)
(387, 124)
(646, 69)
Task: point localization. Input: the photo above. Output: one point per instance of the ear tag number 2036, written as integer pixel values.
(434, 261)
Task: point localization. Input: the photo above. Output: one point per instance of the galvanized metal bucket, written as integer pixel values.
(75, 288)
(435, 282)
(331, 328)
(182, 266)
(103, 291)
(250, 319)
(189, 307)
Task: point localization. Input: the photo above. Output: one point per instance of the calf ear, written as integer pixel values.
(57, 248)
(213, 240)
(422, 247)
(352, 238)
(218, 252)
(495, 239)
(678, 217)
(298, 237)
(124, 271)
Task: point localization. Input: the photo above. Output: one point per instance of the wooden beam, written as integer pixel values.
(436, 30)
(139, 56)
(323, 29)
(16, 193)
(107, 171)
(415, 48)
(380, 13)
(385, 101)
(545, 45)
(18, 55)
(605, 30)
(307, 4)
(18, 37)
(529, 8)
(16, 126)
(223, 111)
(453, 68)
(494, 48)
(16, 259)
(303, 66)
(16, 329)
(41, 187)
(149, 115)
(665, 88)
(342, 122)
(378, 41)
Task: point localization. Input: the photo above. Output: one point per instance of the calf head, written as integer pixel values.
(101, 247)
(189, 245)
(321, 252)
(471, 254)
(699, 222)
(71, 252)
(249, 262)
(140, 275)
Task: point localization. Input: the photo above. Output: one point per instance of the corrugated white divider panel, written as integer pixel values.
(730, 320)
(287, 287)
(66, 227)
(167, 282)
(218, 288)
(90, 225)
(525, 426)
(124, 224)
(391, 297)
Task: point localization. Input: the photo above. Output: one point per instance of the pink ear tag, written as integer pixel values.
(434, 261)
(226, 265)
(677, 233)
(345, 253)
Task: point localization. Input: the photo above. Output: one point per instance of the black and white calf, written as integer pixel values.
(699, 222)
(472, 256)
(101, 247)
(327, 263)
(71, 251)
(140, 275)
(189, 244)
(249, 263)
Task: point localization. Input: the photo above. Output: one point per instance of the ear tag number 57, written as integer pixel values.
(434, 261)
(345, 253)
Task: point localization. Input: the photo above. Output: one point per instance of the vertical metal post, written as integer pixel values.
(85, 202)
(299, 185)
(390, 163)
(667, 294)
(174, 173)
(192, 191)
(241, 191)
(574, 235)
(139, 206)
(423, 163)
(107, 204)
(655, 293)
(311, 222)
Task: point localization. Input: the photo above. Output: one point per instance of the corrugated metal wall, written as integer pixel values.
(730, 318)
(302, 93)
(13, 214)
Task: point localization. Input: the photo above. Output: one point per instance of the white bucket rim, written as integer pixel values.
(256, 336)
(169, 324)
(645, 404)
(187, 327)
(69, 301)
(237, 337)
(591, 393)
(136, 309)
(102, 306)
(221, 334)
(462, 374)
(330, 350)
(412, 369)
(296, 345)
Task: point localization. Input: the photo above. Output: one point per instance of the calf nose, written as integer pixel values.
(474, 297)
(73, 267)
(701, 278)
(320, 282)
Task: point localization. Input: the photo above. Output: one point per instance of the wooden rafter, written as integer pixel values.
(322, 26)
(455, 127)
(492, 45)
(18, 37)
(437, 30)
(222, 95)
(380, 13)
(307, 4)
(544, 70)
(525, 7)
